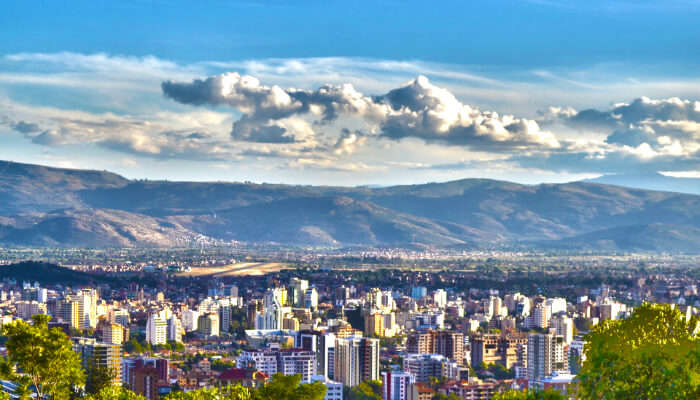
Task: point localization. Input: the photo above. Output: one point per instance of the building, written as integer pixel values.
(545, 355)
(100, 355)
(334, 390)
(323, 345)
(356, 360)
(297, 362)
(175, 329)
(208, 324)
(189, 320)
(563, 326)
(418, 292)
(244, 377)
(113, 333)
(145, 381)
(396, 385)
(121, 317)
(298, 288)
(274, 310)
(156, 329)
(26, 309)
(425, 366)
(87, 308)
(471, 391)
(374, 325)
(447, 343)
(508, 350)
(420, 391)
(263, 361)
(311, 298)
(68, 311)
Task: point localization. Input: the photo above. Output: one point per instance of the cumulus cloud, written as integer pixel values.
(163, 135)
(416, 109)
(423, 110)
(645, 133)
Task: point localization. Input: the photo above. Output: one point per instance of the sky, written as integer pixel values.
(352, 93)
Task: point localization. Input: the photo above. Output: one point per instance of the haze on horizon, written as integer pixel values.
(330, 93)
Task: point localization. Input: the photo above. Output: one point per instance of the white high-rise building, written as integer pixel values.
(539, 317)
(396, 385)
(224, 315)
(556, 305)
(297, 362)
(334, 390)
(440, 298)
(425, 366)
(564, 326)
(273, 311)
(263, 361)
(311, 298)
(87, 308)
(356, 360)
(189, 320)
(121, 317)
(298, 288)
(156, 329)
(42, 295)
(545, 356)
(174, 329)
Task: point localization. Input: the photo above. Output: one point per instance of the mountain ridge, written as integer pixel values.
(45, 206)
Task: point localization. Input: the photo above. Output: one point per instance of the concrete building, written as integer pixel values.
(396, 385)
(208, 324)
(545, 356)
(100, 355)
(334, 390)
(356, 360)
(156, 329)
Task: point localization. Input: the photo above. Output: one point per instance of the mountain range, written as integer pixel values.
(43, 206)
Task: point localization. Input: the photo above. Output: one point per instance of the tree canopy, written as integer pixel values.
(280, 387)
(42, 358)
(654, 354)
(547, 394)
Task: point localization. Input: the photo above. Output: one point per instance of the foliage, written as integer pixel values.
(279, 388)
(44, 357)
(289, 388)
(547, 394)
(368, 390)
(133, 346)
(99, 378)
(220, 365)
(654, 354)
(112, 392)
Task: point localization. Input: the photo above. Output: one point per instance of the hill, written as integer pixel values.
(100, 209)
(45, 273)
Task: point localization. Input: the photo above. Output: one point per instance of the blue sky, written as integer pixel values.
(530, 91)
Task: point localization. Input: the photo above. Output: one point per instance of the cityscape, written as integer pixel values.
(266, 200)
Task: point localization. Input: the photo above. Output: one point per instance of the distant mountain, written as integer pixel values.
(651, 181)
(55, 207)
(653, 237)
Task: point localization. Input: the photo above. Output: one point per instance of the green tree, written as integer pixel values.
(368, 390)
(283, 387)
(654, 354)
(42, 357)
(114, 393)
(547, 394)
(98, 378)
